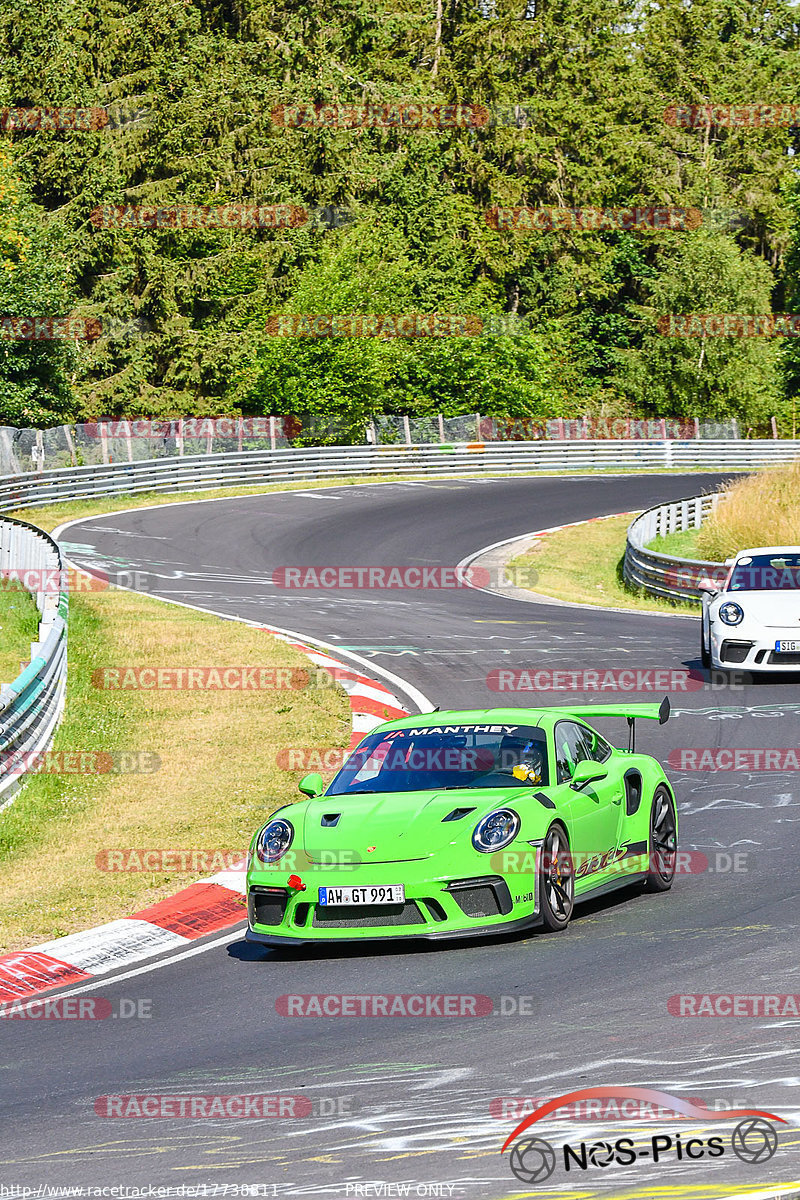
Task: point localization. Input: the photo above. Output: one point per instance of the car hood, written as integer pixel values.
(397, 826)
(778, 609)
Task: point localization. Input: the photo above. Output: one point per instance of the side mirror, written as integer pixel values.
(711, 587)
(587, 772)
(312, 785)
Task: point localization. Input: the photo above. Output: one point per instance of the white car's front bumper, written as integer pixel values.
(751, 647)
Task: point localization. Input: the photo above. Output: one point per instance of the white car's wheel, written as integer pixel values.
(705, 641)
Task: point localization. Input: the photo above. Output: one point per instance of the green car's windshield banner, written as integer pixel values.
(439, 757)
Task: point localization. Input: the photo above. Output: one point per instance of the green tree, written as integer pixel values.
(713, 378)
(35, 385)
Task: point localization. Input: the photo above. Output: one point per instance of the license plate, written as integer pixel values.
(787, 647)
(393, 893)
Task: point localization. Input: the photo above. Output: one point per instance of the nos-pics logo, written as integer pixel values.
(533, 1159)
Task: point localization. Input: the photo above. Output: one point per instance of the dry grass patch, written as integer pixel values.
(761, 510)
(217, 782)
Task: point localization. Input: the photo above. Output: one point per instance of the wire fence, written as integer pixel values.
(143, 439)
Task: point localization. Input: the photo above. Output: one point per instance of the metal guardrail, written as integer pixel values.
(31, 706)
(331, 462)
(662, 574)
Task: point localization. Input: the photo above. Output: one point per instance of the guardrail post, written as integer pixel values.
(70, 444)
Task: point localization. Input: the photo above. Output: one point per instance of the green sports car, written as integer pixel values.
(462, 824)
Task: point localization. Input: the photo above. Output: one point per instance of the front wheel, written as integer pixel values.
(556, 880)
(662, 843)
(705, 651)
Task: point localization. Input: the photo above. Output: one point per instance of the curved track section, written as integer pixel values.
(412, 1100)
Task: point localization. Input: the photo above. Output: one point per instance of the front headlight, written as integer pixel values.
(496, 831)
(274, 840)
(730, 613)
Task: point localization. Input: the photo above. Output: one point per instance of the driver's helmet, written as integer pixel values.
(526, 758)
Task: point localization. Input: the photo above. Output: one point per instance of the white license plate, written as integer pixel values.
(787, 647)
(392, 893)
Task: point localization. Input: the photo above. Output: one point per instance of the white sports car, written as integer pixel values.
(752, 620)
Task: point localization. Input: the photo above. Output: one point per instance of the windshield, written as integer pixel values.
(447, 756)
(766, 573)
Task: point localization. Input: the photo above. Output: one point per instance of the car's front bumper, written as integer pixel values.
(750, 647)
(505, 926)
(434, 908)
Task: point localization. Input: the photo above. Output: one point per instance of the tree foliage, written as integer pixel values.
(577, 93)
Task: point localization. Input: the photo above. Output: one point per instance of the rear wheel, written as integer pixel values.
(556, 880)
(662, 843)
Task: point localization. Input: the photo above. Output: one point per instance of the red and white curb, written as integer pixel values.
(202, 908)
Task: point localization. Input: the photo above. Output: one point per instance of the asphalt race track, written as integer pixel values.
(409, 1100)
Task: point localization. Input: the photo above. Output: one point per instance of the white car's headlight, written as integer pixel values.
(496, 830)
(274, 840)
(730, 613)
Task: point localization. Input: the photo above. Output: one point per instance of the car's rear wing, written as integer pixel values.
(651, 712)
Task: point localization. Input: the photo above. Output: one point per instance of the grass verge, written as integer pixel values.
(680, 545)
(584, 564)
(217, 778)
(19, 626)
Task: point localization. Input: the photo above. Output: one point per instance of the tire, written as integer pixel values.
(705, 651)
(556, 880)
(662, 842)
